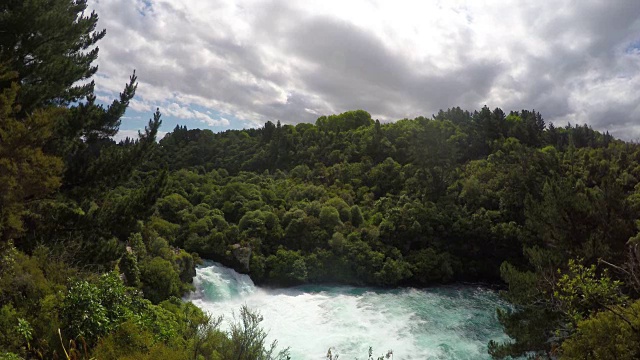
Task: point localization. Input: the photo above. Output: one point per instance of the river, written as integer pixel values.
(448, 322)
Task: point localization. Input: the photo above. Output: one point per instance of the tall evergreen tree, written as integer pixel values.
(48, 48)
(26, 172)
(51, 45)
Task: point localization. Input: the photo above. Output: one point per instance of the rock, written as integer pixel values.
(242, 254)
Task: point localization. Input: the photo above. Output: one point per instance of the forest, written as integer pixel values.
(99, 240)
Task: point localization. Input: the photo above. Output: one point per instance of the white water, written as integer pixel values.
(436, 323)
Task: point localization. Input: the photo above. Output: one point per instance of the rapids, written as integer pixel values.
(449, 322)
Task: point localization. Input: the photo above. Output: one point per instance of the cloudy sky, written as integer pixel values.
(223, 64)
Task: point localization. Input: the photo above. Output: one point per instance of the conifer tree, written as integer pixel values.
(51, 45)
(53, 133)
(26, 172)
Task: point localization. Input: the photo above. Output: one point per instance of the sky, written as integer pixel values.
(227, 64)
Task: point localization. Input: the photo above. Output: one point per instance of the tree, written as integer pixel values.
(287, 267)
(171, 205)
(90, 310)
(329, 217)
(605, 336)
(580, 292)
(129, 267)
(343, 122)
(94, 162)
(160, 280)
(50, 43)
(44, 45)
(356, 216)
(26, 172)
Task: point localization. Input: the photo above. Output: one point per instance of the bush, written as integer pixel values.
(91, 310)
(159, 280)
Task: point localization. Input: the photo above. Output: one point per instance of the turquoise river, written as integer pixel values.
(449, 322)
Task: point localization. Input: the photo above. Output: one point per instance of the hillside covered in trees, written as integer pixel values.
(99, 240)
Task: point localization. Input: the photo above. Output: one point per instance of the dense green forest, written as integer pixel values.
(99, 240)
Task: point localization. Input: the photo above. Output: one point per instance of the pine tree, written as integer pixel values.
(50, 44)
(53, 134)
(26, 172)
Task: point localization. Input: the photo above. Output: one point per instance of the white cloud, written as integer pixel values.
(257, 61)
(184, 112)
(139, 105)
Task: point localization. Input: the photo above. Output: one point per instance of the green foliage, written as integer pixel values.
(248, 340)
(170, 207)
(428, 266)
(50, 45)
(356, 216)
(129, 338)
(177, 330)
(25, 330)
(329, 218)
(531, 327)
(612, 334)
(287, 267)
(392, 272)
(349, 120)
(160, 279)
(26, 171)
(90, 310)
(129, 267)
(9, 356)
(581, 292)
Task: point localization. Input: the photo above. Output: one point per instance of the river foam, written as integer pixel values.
(453, 322)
